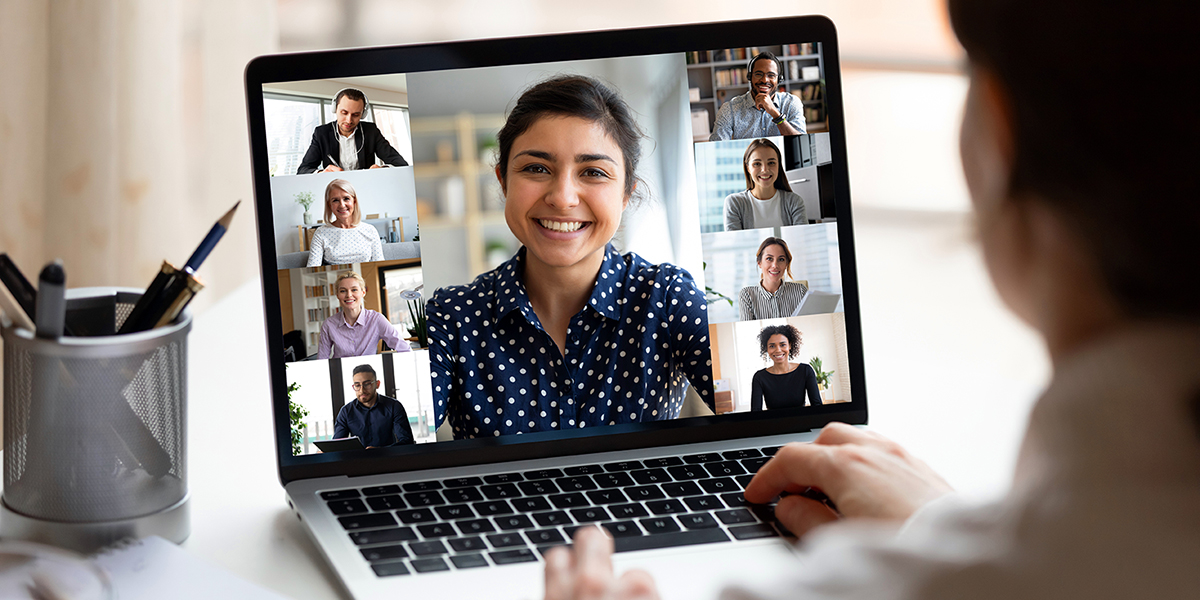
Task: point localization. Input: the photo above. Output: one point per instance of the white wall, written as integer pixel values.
(389, 190)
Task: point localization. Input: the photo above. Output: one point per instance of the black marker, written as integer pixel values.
(51, 302)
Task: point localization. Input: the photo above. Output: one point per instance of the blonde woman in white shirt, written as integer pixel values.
(344, 239)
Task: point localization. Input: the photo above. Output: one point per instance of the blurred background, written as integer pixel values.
(123, 137)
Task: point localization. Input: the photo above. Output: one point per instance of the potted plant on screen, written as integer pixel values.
(416, 308)
(305, 199)
(297, 414)
(822, 376)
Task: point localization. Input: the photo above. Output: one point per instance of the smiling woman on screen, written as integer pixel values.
(353, 330)
(344, 239)
(768, 200)
(773, 297)
(569, 333)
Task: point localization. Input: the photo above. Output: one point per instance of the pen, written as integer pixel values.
(333, 162)
(20, 288)
(51, 303)
(15, 313)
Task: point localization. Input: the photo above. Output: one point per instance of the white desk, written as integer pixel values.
(950, 375)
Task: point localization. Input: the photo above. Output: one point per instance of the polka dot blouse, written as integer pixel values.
(630, 351)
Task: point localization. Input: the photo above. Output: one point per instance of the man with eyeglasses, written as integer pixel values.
(762, 111)
(376, 419)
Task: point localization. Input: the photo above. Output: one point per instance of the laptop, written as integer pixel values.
(400, 271)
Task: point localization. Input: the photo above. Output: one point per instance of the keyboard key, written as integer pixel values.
(720, 485)
(645, 492)
(389, 569)
(428, 548)
(458, 495)
(398, 534)
(743, 480)
(384, 553)
(365, 521)
(581, 483)
(771, 450)
(503, 478)
(550, 519)
(685, 472)
(505, 540)
(540, 487)
(380, 503)
(469, 561)
(764, 512)
(460, 482)
(422, 486)
(750, 532)
(380, 490)
(735, 499)
(666, 461)
(495, 507)
(572, 500)
(628, 511)
(649, 476)
(468, 544)
(657, 525)
(543, 474)
(740, 454)
(727, 468)
(436, 530)
(703, 503)
(533, 504)
(429, 565)
(340, 495)
(679, 489)
(620, 529)
(752, 465)
(625, 465)
(735, 516)
(498, 491)
(590, 514)
(513, 522)
(416, 515)
(454, 512)
(424, 499)
(544, 549)
(613, 480)
(513, 556)
(571, 529)
(666, 507)
(583, 470)
(540, 537)
(347, 507)
(669, 540)
(606, 497)
(698, 521)
(702, 458)
(475, 526)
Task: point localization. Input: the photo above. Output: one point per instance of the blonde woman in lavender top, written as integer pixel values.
(344, 239)
(354, 330)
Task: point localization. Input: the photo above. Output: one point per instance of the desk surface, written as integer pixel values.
(951, 376)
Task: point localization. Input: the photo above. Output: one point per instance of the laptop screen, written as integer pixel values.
(507, 252)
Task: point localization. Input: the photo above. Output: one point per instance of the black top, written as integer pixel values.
(784, 391)
(385, 424)
(367, 138)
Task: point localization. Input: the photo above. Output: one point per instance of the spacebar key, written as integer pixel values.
(669, 540)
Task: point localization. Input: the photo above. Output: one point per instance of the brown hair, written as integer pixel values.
(1092, 153)
(342, 184)
(774, 241)
(781, 182)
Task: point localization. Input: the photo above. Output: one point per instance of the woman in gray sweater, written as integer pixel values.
(768, 200)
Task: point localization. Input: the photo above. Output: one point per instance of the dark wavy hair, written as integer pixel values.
(1068, 149)
(575, 96)
(774, 241)
(793, 335)
(781, 182)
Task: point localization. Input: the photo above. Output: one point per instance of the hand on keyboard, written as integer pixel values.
(864, 474)
(585, 571)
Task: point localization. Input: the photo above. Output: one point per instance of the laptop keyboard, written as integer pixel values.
(474, 522)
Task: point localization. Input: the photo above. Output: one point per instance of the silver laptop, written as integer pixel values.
(418, 206)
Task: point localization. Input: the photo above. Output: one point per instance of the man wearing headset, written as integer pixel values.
(348, 143)
(762, 111)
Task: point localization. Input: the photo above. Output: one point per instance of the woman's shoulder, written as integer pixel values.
(643, 271)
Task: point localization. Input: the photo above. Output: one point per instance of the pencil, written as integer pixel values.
(210, 240)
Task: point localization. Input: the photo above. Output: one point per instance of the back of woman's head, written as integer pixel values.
(1106, 115)
(575, 96)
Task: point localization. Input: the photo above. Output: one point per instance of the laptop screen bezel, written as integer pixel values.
(342, 64)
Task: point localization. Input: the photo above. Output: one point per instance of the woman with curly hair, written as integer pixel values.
(784, 383)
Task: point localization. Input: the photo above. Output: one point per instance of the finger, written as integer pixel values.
(636, 583)
(593, 563)
(840, 433)
(558, 574)
(800, 515)
(793, 468)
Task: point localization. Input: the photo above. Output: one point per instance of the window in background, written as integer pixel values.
(395, 281)
(290, 122)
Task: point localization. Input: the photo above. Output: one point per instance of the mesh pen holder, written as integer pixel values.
(95, 445)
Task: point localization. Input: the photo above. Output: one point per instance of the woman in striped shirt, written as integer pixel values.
(773, 297)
